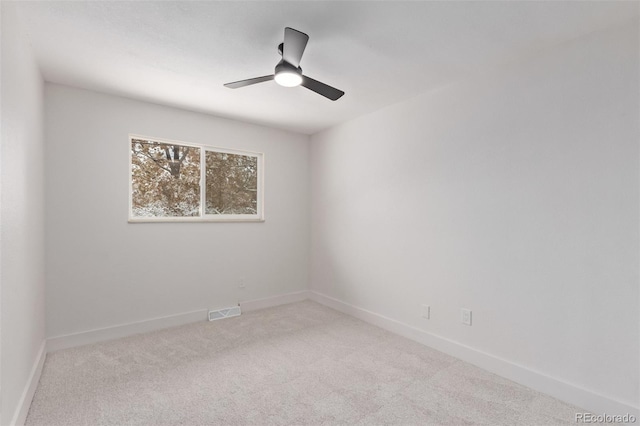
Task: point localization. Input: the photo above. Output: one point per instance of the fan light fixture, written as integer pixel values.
(287, 75)
(288, 79)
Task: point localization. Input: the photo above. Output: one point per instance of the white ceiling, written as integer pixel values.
(181, 53)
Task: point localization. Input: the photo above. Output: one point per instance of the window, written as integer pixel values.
(178, 181)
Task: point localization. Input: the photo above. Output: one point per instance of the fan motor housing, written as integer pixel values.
(284, 66)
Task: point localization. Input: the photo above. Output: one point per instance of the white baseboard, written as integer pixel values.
(20, 415)
(268, 302)
(109, 333)
(124, 330)
(570, 393)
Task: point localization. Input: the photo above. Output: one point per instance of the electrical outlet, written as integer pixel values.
(425, 311)
(466, 316)
(241, 283)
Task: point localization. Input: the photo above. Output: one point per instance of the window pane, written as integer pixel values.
(231, 183)
(165, 179)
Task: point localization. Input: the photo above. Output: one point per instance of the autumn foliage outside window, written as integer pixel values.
(232, 183)
(166, 182)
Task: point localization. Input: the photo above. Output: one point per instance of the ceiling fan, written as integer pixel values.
(288, 72)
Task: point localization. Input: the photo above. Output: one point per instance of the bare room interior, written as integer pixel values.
(306, 213)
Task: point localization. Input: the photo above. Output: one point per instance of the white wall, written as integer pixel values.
(514, 195)
(22, 329)
(103, 271)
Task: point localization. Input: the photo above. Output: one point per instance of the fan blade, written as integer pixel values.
(293, 46)
(321, 88)
(242, 83)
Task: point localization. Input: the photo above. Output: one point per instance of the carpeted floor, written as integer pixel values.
(297, 364)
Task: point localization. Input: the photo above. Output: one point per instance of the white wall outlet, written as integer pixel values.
(241, 283)
(425, 311)
(466, 316)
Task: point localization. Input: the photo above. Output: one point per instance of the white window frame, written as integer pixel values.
(258, 217)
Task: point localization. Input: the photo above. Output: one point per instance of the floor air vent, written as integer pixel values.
(224, 313)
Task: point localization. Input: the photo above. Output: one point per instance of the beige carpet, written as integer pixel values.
(297, 364)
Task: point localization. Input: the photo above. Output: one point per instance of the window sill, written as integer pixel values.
(191, 220)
